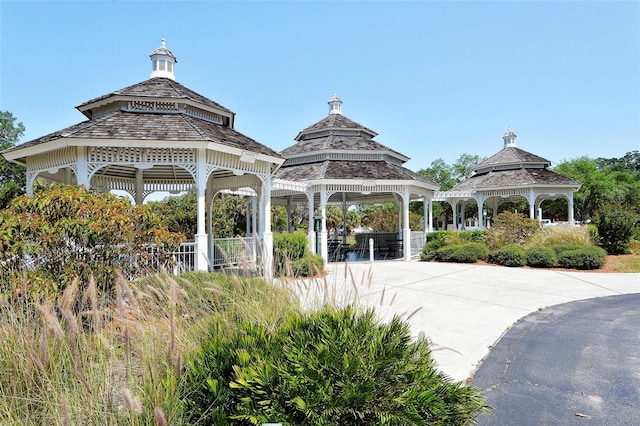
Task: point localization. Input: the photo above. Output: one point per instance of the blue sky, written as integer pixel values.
(434, 79)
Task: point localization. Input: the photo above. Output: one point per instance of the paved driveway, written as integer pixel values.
(462, 308)
(572, 364)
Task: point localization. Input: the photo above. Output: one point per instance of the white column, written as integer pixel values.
(406, 227)
(139, 186)
(311, 230)
(344, 217)
(83, 167)
(430, 214)
(201, 234)
(532, 204)
(570, 209)
(324, 250)
(208, 200)
(462, 207)
(425, 215)
(267, 235)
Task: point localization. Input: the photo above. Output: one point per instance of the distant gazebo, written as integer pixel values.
(337, 161)
(510, 174)
(158, 136)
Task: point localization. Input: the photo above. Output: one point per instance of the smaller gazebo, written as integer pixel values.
(510, 173)
(337, 161)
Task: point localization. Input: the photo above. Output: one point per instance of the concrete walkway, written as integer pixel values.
(462, 308)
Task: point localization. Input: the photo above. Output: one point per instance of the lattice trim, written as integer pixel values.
(110, 154)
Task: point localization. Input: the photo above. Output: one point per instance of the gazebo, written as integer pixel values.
(158, 136)
(337, 161)
(509, 174)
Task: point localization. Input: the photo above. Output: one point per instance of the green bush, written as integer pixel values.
(287, 249)
(436, 236)
(307, 266)
(615, 228)
(541, 257)
(474, 236)
(511, 228)
(587, 257)
(511, 255)
(561, 248)
(465, 253)
(430, 248)
(332, 367)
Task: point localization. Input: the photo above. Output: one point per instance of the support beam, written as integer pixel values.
(202, 263)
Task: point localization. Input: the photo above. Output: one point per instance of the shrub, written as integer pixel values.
(288, 248)
(466, 253)
(587, 257)
(308, 265)
(541, 257)
(430, 248)
(68, 232)
(332, 367)
(474, 236)
(511, 255)
(560, 249)
(562, 235)
(511, 228)
(615, 228)
(436, 236)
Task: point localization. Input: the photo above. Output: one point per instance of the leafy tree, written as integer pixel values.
(381, 217)
(463, 167)
(179, 214)
(13, 178)
(604, 181)
(615, 228)
(67, 232)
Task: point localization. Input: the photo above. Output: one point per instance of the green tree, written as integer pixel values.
(615, 228)
(449, 176)
(381, 217)
(179, 214)
(604, 181)
(13, 178)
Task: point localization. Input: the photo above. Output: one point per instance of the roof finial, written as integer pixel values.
(163, 62)
(509, 138)
(335, 105)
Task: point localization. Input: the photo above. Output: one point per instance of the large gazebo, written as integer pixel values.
(337, 161)
(509, 174)
(158, 136)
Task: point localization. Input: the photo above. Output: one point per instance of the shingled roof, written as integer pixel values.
(338, 148)
(157, 87)
(511, 156)
(512, 167)
(514, 178)
(120, 125)
(356, 170)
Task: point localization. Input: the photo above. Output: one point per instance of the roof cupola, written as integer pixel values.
(163, 62)
(335, 105)
(509, 138)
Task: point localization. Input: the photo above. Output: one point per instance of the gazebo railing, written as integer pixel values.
(234, 252)
(418, 239)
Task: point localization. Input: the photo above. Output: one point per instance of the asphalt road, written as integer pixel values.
(577, 363)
